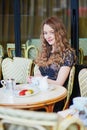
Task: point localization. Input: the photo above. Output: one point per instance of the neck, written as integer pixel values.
(52, 49)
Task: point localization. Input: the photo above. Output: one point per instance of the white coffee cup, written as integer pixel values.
(43, 84)
(39, 82)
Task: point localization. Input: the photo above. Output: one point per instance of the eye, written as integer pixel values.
(44, 33)
(52, 32)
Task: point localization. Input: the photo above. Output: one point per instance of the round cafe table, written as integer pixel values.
(42, 99)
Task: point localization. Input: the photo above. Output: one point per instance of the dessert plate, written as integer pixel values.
(25, 91)
(26, 95)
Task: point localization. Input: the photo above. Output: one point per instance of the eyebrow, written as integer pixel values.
(49, 31)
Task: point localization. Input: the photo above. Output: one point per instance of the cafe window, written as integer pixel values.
(32, 13)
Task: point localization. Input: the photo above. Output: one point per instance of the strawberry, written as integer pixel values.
(22, 92)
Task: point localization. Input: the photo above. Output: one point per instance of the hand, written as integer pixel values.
(29, 80)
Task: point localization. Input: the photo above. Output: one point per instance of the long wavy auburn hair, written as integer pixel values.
(61, 45)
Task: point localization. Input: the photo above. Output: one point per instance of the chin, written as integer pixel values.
(51, 43)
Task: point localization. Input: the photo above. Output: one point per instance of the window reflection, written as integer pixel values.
(32, 14)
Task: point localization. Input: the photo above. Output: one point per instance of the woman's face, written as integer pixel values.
(49, 34)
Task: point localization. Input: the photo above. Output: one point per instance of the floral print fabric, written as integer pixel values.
(52, 70)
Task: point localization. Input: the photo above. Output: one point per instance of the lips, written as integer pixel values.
(50, 40)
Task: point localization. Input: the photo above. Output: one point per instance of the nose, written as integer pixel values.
(48, 35)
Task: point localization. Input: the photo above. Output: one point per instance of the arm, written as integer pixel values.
(62, 76)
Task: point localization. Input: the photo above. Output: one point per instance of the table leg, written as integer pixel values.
(49, 108)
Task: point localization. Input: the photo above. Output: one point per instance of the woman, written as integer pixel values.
(56, 56)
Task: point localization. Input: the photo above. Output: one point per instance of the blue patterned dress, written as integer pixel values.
(52, 70)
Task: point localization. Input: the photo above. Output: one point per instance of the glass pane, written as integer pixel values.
(83, 29)
(32, 13)
(6, 23)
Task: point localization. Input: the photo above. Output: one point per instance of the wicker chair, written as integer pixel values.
(82, 78)
(17, 68)
(69, 87)
(31, 52)
(13, 119)
(71, 123)
(81, 56)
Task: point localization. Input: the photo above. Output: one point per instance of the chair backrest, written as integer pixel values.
(76, 88)
(1, 51)
(69, 86)
(11, 50)
(27, 120)
(36, 69)
(0, 68)
(31, 52)
(17, 68)
(71, 123)
(81, 56)
(82, 78)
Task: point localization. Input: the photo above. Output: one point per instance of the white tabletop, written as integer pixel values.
(42, 97)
